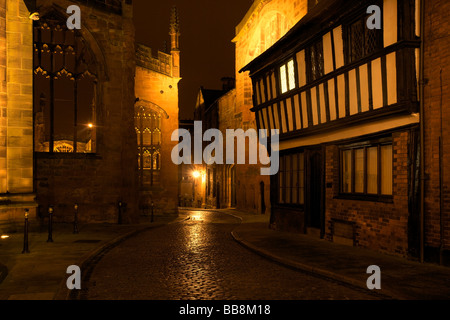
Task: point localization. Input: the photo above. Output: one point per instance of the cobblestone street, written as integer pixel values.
(198, 259)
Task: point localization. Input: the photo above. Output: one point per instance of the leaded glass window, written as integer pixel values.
(367, 169)
(64, 88)
(149, 137)
(316, 60)
(291, 179)
(287, 77)
(362, 41)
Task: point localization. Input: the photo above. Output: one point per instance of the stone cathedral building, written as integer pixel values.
(85, 114)
(156, 117)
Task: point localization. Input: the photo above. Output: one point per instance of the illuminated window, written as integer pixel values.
(291, 75)
(156, 136)
(63, 148)
(283, 78)
(367, 169)
(147, 137)
(148, 130)
(287, 77)
(64, 88)
(147, 160)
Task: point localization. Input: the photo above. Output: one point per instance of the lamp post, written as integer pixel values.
(153, 205)
(50, 224)
(120, 212)
(25, 234)
(75, 220)
(90, 127)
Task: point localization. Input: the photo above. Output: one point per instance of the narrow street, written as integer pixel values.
(198, 259)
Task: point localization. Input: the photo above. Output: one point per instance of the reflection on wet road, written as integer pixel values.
(198, 259)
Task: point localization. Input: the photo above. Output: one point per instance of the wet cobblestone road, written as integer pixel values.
(198, 260)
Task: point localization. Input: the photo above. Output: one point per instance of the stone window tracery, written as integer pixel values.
(64, 90)
(148, 130)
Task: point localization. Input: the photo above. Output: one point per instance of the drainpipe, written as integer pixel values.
(441, 181)
(422, 131)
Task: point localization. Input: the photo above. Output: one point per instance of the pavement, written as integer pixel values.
(42, 273)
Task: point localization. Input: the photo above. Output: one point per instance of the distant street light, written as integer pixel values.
(25, 233)
(34, 16)
(196, 174)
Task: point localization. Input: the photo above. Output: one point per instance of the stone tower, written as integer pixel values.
(156, 118)
(175, 41)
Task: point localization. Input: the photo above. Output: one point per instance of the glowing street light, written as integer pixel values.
(90, 125)
(196, 174)
(34, 16)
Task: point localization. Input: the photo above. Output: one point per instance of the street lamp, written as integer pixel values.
(90, 127)
(34, 16)
(75, 220)
(25, 233)
(50, 224)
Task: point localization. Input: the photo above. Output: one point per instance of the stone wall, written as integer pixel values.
(97, 182)
(162, 90)
(16, 113)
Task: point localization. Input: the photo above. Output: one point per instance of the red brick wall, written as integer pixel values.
(380, 226)
(437, 99)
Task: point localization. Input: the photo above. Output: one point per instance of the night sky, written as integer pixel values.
(207, 28)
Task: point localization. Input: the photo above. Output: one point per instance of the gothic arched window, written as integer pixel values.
(156, 136)
(148, 130)
(64, 88)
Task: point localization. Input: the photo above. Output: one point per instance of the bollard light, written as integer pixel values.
(75, 220)
(120, 212)
(25, 234)
(50, 224)
(152, 210)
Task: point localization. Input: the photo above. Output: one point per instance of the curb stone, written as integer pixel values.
(308, 268)
(88, 261)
